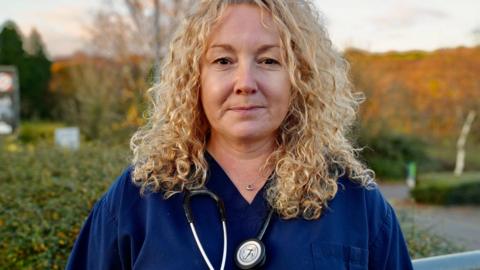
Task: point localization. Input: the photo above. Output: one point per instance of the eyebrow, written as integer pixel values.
(228, 47)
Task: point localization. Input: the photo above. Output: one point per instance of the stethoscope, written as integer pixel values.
(250, 254)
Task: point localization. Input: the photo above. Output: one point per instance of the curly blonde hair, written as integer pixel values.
(311, 151)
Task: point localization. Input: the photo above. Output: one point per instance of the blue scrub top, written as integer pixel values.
(359, 230)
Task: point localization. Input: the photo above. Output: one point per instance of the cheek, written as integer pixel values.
(211, 96)
(214, 90)
(284, 94)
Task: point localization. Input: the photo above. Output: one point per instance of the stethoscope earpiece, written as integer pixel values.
(250, 254)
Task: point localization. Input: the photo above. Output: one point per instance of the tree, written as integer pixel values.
(460, 160)
(12, 53)
(157, 25)
(145, 30)
(34, 44)
(11, 45)
(124, 49)
(38, 77)
(33, 69)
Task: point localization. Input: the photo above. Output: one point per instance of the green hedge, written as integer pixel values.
(445, 188)
(462, 193)
(388, 154)
(45, 194)
(35, 132)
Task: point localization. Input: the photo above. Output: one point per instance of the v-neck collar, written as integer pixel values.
(219, 182)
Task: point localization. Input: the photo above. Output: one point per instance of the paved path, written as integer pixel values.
(459, 224)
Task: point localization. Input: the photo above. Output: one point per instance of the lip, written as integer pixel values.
(246, 107)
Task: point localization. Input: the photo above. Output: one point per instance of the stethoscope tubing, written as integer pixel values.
(188, 213)
(202, 251)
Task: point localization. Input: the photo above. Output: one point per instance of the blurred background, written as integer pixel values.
(73, 82)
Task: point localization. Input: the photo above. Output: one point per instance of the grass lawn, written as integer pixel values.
(445, 154)
(447, 178)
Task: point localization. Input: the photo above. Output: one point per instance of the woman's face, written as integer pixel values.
(245, 87)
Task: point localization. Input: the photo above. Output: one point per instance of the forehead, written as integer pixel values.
(241, 21)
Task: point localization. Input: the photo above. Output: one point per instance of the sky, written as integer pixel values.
(373, 25)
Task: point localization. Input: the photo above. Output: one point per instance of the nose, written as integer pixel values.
(245, 83)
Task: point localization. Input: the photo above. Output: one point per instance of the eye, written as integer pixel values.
(269, 61)
(222, 61)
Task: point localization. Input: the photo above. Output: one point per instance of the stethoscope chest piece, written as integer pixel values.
(250, 254)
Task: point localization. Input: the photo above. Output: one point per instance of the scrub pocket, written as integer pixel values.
(339, 257)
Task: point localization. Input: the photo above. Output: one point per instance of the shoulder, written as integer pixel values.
(367, 202)
(369, 197)
(122, 194)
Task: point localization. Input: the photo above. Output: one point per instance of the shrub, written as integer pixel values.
(387, 154)
(449, 192)
(44, 132)
(421, 242)
(34, 132)
(45, 195)
(466, 193)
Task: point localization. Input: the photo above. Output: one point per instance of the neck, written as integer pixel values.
(243, 162)
(241, 151)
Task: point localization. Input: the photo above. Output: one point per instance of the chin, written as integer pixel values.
(250, 134)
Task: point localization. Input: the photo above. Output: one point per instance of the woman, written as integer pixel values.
(253, 106)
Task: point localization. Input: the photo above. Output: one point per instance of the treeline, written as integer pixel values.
(428, 94)
(416, 106)
(416, 101)
(29, 57)
(424, 94)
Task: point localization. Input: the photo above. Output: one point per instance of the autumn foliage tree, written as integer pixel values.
(428, 94)
(103, 91)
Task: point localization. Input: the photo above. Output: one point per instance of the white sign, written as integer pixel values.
(6, 82)
(5, 128)
(68, 137)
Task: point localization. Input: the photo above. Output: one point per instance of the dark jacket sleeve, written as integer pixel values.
(388, 249)
(96, 246)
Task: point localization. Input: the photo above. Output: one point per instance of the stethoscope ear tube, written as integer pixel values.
(188, 213)
(198, 192)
